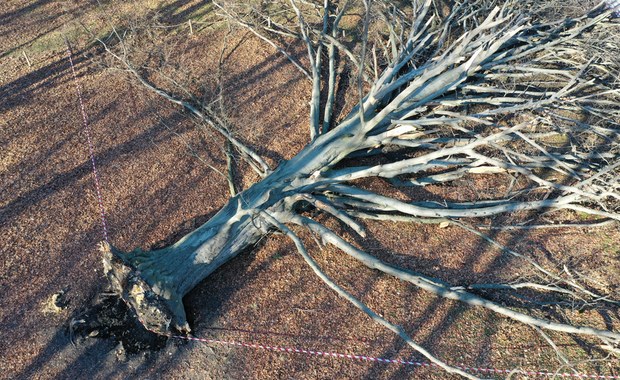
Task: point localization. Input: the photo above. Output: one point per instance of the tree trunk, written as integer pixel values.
(154, 282)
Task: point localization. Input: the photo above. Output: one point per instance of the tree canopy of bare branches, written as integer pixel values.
(478, 89)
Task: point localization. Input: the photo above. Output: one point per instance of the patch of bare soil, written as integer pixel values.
(157, 182)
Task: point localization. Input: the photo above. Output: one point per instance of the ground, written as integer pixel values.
(157, 184)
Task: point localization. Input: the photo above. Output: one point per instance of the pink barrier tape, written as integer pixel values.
(90, 144)
(339, 355)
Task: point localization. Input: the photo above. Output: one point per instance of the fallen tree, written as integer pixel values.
(440, 110)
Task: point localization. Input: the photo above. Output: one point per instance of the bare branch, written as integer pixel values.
(213, 121)
(267, 40)
(443, 290)
(360, 305)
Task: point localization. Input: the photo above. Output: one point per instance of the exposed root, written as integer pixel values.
(154, 312)
(108, 317)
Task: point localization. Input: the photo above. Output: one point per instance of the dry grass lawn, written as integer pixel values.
(157, 182)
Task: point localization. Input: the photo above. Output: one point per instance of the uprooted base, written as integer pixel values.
(150, 309)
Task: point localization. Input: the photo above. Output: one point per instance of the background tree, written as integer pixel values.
(480, 89)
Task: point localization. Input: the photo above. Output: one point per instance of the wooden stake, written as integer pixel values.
(27, 60)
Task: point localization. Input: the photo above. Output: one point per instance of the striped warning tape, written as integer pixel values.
(340, 355)
(91, 149)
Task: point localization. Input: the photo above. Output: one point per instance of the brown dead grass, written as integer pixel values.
(155, 189)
